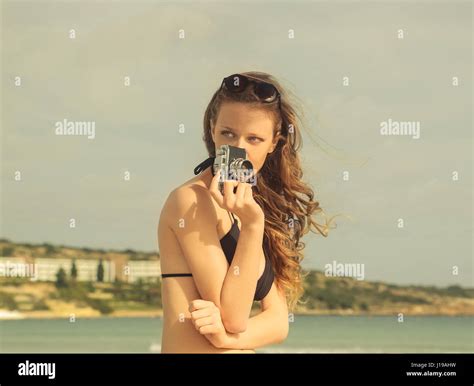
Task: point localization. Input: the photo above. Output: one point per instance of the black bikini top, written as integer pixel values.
(229, 244)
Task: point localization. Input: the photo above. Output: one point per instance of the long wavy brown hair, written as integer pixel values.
(288, 203)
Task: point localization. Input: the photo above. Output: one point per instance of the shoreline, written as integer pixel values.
(15, 315)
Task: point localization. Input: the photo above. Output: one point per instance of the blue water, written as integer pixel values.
(326, 334)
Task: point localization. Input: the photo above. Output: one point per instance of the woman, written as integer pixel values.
(220, 252)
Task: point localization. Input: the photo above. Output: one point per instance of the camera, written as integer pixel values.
(234, 165)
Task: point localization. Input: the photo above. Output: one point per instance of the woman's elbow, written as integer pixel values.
(234, 322)
(284, 330)
(235, 326)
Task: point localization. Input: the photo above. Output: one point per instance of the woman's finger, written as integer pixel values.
(229, 196)
(240, 194)
(198, 304)
(203, 312)
(248, 192)
(209, 329)
(214, 189)
(204, 321)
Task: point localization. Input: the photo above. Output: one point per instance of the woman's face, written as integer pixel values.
(250, 128)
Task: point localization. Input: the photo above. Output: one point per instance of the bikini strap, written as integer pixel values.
(232, 215)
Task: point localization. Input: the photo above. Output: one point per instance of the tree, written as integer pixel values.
(49, 249)
(100, 271)
(61, 279)
(8, 251)
(74, 270)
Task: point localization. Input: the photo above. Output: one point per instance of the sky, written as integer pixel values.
(351, 66)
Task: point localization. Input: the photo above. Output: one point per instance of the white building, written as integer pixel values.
(47, 269)
(147, 270)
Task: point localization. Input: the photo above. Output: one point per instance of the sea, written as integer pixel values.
(308, 334)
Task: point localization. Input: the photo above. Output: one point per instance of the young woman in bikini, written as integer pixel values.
(221, 252)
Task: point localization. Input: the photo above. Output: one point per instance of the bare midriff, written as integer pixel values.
(179, 334)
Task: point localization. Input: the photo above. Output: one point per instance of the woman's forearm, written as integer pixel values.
(268, 327)
(239, 285)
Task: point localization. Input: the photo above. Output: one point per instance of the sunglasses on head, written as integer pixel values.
(264, 91)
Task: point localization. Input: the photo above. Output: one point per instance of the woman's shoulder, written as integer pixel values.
(190, 197)
(193, 183)
(192, 189)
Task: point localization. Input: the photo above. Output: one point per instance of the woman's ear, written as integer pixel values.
(212, 131)
(275, 142)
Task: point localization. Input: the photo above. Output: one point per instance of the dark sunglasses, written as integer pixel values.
(264, 91)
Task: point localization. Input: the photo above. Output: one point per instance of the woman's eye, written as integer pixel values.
(229, 134)
(225, 134)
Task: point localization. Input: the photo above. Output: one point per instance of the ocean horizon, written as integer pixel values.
(308, 334)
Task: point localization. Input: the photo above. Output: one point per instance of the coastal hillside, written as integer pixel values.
(68, 294)
(46, 250)
(343, 295)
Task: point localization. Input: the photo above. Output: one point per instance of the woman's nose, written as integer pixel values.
(241, 142)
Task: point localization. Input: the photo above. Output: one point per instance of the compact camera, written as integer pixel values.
(234, 165)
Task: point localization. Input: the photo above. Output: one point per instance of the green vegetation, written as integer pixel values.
(16, 281)
(139, 295)
(25, 302)
(71, 290)
(330, 294)
(452, 290)
(100, 271)
(138, 292)
(80, 292)
(103, 297)
(74, 270)
(8, 301)
(39, 305)
(321, 294)
(8, 251)
(61, 279)
(49, 249)
(342, 293)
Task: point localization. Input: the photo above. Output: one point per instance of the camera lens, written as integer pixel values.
(242, 169)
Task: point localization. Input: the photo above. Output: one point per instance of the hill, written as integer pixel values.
(323, 295)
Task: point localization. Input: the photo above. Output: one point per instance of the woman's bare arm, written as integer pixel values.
(268, 327)
(190, 213)
(240, 282)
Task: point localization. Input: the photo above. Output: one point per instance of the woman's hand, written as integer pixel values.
(241, 202)
(206, 318)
